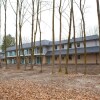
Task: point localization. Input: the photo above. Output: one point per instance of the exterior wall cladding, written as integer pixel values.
(92, 49)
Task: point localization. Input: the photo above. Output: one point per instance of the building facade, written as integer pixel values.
(92, 52)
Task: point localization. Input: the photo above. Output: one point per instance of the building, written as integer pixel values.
(92, 50)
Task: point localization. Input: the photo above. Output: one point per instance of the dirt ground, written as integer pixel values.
(33, 85)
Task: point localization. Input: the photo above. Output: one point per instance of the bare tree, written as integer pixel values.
(75, 42)
(32, 50)
(16, 13)
(53, 37)
(84, 42)
(22, 12)
(60, 13)
(35, 32)
(20, 31)
(98, 15)
(5, 9)
(68, 44)
(17, 60)
(39, 23)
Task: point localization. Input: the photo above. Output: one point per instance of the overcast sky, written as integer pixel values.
(46, 20)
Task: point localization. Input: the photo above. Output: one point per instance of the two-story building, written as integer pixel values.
(92, 51)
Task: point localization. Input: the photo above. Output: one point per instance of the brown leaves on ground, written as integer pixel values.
(25, 85)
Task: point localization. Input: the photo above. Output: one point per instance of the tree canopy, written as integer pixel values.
(10, 41)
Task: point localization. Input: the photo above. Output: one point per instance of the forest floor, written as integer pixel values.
(33, 85)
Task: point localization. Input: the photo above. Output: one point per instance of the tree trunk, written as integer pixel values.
(98, 15)
(60, 13)
(32, 53)
(40, 39)
(35, 31)
(84, 42)
(67, 52)
(53, 37)
(5, 7)
(17, 62)
(75, 43)
(21, 50)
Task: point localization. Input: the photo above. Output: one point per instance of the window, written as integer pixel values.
(78, 57)
(55, 58)
(70, 45)
(8, 53)
(70, 57)
(78, 44)
(25, 52)
(13, 53)
(55, 46)
(63, 46)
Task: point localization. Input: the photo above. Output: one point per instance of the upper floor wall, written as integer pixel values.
(47, 46)
(78, 45)
(28, 51)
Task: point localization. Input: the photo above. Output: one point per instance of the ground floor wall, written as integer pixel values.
(24, 60)
(90, 59)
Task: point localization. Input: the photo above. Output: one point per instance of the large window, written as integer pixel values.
(8, 53)
(26, 51)
(13, 53)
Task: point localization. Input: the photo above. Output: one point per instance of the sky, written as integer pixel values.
(46, 20)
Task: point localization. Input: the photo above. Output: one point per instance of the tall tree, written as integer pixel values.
(60, 13)
(5, 9)
(53, 37)
(84, 40)
(75, 41)
(39, 23)
(20, 30)
(35, 32)
(17, 60)
(98, 15)
(32, 49)
(69, 35)
(22, 12)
